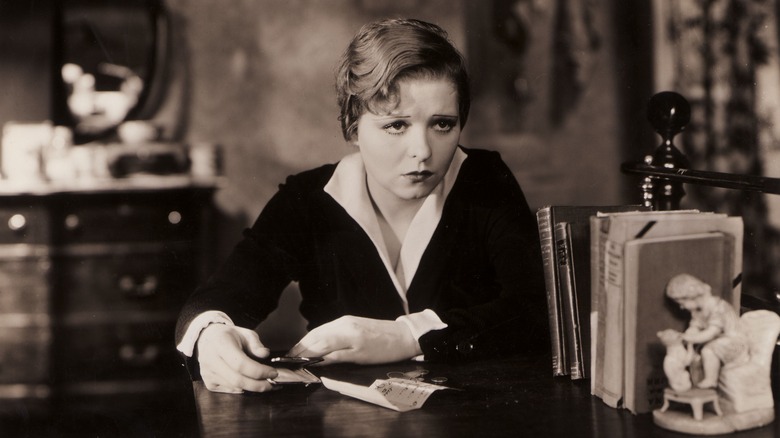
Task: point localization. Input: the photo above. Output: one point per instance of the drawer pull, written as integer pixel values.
(174, 217)
(72, 222)
(139, 355)
(132, 289)
(17, 222)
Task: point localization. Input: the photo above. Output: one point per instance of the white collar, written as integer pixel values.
(347, 186)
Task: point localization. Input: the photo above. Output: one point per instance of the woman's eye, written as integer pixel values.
(444, 125)
(395, 127)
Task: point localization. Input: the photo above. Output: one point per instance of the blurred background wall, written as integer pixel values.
(260, 84)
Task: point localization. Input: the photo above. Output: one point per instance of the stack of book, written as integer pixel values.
(564, 233)
(606, 270)
(634, 255)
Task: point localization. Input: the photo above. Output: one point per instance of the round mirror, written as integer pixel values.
(113, 59)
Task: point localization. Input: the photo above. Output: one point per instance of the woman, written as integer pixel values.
(411, 247)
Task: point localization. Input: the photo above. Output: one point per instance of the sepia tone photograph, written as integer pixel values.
(229, 218)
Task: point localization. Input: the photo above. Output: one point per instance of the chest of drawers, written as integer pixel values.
(90, 286)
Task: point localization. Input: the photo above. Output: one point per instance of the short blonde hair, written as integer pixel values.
(686, 286)
(387, 51)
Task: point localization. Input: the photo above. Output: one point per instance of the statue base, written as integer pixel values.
(712, 423)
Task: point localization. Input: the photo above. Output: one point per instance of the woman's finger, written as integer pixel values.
(323, 340)
(238, 362)
(226, 379)
(339, 356)
(252, 344)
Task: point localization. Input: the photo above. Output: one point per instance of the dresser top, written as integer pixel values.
(138, 183)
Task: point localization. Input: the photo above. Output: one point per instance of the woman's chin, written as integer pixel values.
(414, 194)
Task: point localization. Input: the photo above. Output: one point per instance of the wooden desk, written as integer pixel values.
(511, 397)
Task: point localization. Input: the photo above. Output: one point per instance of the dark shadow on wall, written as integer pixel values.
(284, 326)
(633, 54)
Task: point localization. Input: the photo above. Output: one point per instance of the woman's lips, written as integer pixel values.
(418, 176)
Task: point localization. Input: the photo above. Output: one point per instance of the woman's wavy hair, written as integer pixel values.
(387, 51)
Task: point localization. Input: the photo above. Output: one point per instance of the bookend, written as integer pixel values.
(742, 397)
(729, 371)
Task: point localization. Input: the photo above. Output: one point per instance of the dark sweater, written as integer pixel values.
(481, 272)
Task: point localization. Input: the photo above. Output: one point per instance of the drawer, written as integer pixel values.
(24, 285)
(24, 223)
(126, 279)
(24, 354)
(125, 219)
(116, 352)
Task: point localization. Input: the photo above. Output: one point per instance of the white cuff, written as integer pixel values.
(421, 323)
(190, 338)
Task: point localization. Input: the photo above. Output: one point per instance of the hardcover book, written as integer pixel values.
(557, 342)
(620, 229)
(547, 217)
(649, 265)
(568, 295)
(614, 232)
(574, 242)
(599, 230)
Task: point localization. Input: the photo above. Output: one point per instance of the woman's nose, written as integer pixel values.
(419, 146)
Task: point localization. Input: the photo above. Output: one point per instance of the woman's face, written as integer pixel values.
(408, 151)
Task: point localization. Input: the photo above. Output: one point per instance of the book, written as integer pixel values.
(598, 241)
(606, 314)
(649, 265)
(582, 260)
(620, 229)
(579, 242)
(567, 293)
(557, 343)
(599, 229)
(547, 216)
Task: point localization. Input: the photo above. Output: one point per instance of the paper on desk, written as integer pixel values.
(397, 394)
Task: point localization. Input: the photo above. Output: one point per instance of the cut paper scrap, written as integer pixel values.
(397, 394)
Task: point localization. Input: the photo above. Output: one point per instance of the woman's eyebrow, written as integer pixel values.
(391, 116)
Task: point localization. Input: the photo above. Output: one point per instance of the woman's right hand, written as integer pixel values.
(225, 355)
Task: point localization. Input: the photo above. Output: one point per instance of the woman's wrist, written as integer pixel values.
(408, 340)
(187, 344)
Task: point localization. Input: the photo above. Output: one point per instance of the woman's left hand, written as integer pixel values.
(359, 340)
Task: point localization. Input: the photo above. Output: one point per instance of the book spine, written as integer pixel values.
(630, 312)
(567, 293)
(613, 330)
(597, 304)
(544, 220)
(579, 244)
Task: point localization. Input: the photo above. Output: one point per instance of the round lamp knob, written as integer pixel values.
(668, 112)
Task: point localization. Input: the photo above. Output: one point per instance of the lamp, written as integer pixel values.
(667, 168)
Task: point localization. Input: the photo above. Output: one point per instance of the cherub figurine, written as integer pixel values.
(714, 325)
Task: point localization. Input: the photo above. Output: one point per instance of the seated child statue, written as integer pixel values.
(714, 327)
